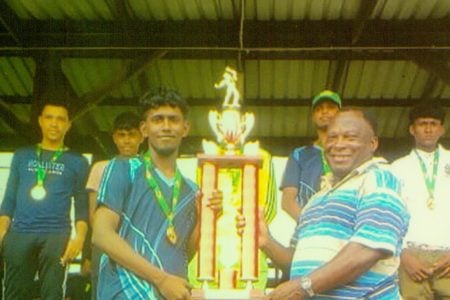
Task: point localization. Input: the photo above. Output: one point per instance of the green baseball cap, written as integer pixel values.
(327, 95)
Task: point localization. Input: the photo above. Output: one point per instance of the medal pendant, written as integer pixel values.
(326, 182)
(38, 192)
(171, 235)
(430, 203)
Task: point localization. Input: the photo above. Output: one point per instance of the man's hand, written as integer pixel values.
(73, 248)
(263, 229)
(416, 269)
(441, 267)
(5, 221)
(86, 267)
(174, 288)
(215, 202)
(289, 290)
(2, 236)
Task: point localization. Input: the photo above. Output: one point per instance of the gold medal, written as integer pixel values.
(430, 203)
(171, 234)
(38, 192)
(326, 182)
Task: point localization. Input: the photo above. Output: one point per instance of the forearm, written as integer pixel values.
(193, 241)
(5, 222)
(350, 263)
(81, 228)
(121, 252)
(281, 256)
(292, 208)
(289, 202)
(92, 206)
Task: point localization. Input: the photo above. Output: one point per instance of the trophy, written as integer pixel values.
(227, 263)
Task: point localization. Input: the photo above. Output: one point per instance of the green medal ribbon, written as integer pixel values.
(154, 186)
(41, 173)
(38, 191)
(326, 180)
(430, 181)
(325, 166)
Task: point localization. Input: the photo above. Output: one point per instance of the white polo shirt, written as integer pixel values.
(427, 226)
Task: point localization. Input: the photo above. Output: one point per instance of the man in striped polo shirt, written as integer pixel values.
(350, 233)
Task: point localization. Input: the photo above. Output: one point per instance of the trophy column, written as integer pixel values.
(207, 244)
(233, 281)
(228, 263)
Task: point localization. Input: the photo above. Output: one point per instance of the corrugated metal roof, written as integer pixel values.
(228, 9)
(16, 76)
(264, 79)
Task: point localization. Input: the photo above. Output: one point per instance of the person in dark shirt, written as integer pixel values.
(35, 224)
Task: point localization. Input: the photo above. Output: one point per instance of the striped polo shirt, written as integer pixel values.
(365, 208)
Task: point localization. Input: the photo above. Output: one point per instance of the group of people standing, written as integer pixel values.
(359, 219)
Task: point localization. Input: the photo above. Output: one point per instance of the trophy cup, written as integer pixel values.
(227, 264)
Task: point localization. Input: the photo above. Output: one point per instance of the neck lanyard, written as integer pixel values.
(41, 173)
(325, 166)
(162, 202)
(38, 192)
(430, 181)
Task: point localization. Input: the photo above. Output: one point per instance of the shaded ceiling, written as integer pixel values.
(102, 55)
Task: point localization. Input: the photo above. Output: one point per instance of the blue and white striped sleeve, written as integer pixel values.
(381, 219)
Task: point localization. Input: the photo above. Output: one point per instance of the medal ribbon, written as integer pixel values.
(430, 181)
(325, 166)
(41, 173)
(153, 184)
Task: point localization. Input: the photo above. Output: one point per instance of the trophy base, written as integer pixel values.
(253, 294)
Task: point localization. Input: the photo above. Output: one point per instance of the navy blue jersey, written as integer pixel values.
(65, 178)
(124, 189)
(303, 171)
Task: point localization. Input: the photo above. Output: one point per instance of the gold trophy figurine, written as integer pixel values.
(230, 128)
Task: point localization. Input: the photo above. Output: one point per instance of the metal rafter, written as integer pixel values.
(11, 23)
(366, 8)
(434, 64)
(134, 68)
(13, 121)
(249, 102)
(259, 35)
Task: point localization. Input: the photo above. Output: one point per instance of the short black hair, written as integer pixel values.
(126, 121)
(160, 97)
(427, 109)
(58, 103)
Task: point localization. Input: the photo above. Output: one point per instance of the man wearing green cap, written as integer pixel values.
(306, 168)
